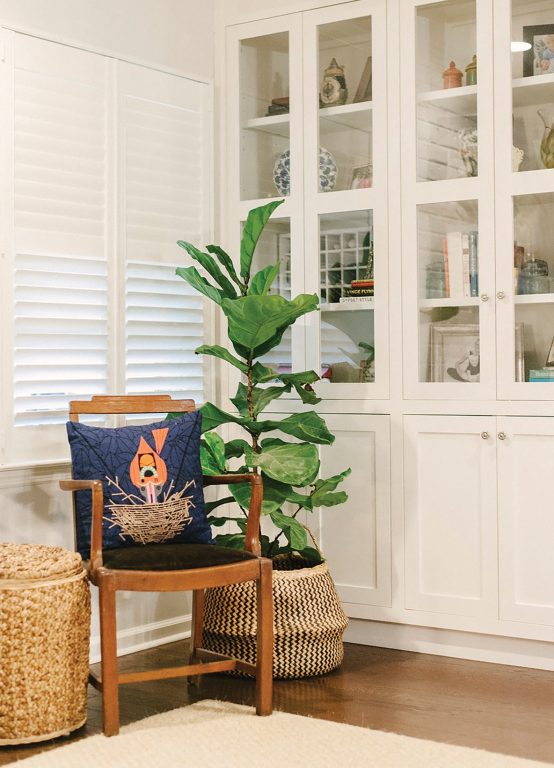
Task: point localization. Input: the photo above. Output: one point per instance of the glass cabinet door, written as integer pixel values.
(345, 198)
(264, 116)
(448, 199)
(525, 199)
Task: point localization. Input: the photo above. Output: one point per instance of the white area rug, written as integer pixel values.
(215, 734)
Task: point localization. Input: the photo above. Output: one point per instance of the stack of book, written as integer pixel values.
(359, 290)
(461, 264)
(542, 374)
(278, 106)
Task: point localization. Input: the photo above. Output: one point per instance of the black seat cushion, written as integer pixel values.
(172, 557)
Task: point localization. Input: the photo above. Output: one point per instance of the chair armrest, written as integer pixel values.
(252, 541)
(95, 486)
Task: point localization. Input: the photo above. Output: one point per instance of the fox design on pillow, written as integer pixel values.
(154, 517)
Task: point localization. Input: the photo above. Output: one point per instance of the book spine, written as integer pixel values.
(446, 270)
(465, 264)
(353, 299)
(455, 267)
(473, 263)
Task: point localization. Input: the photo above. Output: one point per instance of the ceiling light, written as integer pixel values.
(517, 46)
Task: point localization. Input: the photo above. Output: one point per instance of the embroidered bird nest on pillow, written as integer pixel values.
(152, 523)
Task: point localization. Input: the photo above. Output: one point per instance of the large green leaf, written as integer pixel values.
(291, 463)
(293, 530)
(323, 495)
(199, 283)
(212, 417)
(262, 373)
(263, 280)
(261, 397)
(305, 426)
(227, 262)
(212, 454)
(256, 323)
(253, 228)
(216, 351)
(301, 377)
(231, 540)
(236, 448)
(275, 495)
(302, 382)
(211, 267)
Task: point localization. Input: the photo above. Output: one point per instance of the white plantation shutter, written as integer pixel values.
(60, 257)
(165, 150)
(164, 326)
(110, 168)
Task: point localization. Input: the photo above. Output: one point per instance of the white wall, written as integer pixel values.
(176, 34)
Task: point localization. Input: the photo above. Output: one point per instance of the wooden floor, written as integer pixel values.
(488, 706)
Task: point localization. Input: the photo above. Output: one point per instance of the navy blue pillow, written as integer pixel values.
(152, 482)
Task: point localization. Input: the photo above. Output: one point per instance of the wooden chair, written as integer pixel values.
(193, 567)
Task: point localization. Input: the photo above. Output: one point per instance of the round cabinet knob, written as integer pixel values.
(500, 295)
(501, 435)
(484, 297)
(485, 435)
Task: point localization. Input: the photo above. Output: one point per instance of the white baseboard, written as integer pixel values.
(445, 642)
(145, 636)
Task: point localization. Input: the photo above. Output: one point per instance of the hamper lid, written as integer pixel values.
(37, 561)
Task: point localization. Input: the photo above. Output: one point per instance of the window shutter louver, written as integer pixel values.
(61, 336)
(164, 326)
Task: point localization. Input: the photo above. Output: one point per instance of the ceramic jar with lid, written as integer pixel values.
(452, 77)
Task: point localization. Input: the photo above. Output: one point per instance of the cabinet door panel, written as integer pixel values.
(526, 519)
(355, 536)
(450, 514)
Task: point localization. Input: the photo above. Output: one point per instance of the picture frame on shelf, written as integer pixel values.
(455, 353)
(550, 357)
(363, 91)
(539, 59)
(362, 176)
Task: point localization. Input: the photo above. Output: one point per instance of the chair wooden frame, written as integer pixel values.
(109, 581)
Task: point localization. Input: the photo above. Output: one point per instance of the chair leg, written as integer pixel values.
(108, 640)
(196, 632)
(264, 640)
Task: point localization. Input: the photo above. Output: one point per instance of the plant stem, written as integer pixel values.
(250, 402)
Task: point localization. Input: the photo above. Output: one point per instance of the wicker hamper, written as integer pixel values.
(309, 621)
(44, 642)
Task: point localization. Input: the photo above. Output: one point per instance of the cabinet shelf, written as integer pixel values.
(350, 306)
(534, 298)
(532, 91)
(462, 100)
(463, 301)
(276, 125)
(350, 116)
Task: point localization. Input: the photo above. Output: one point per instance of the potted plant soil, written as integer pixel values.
(309, 621)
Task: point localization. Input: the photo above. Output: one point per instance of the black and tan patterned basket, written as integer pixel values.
(309, 621)
(44, 642)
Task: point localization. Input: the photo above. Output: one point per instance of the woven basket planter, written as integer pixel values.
(44, 642)
(309, 621)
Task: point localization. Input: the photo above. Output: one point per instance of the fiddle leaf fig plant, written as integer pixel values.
(256, 322)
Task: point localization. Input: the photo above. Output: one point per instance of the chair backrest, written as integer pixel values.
(129, 404)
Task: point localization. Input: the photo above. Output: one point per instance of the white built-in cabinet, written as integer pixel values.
(450, 433)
